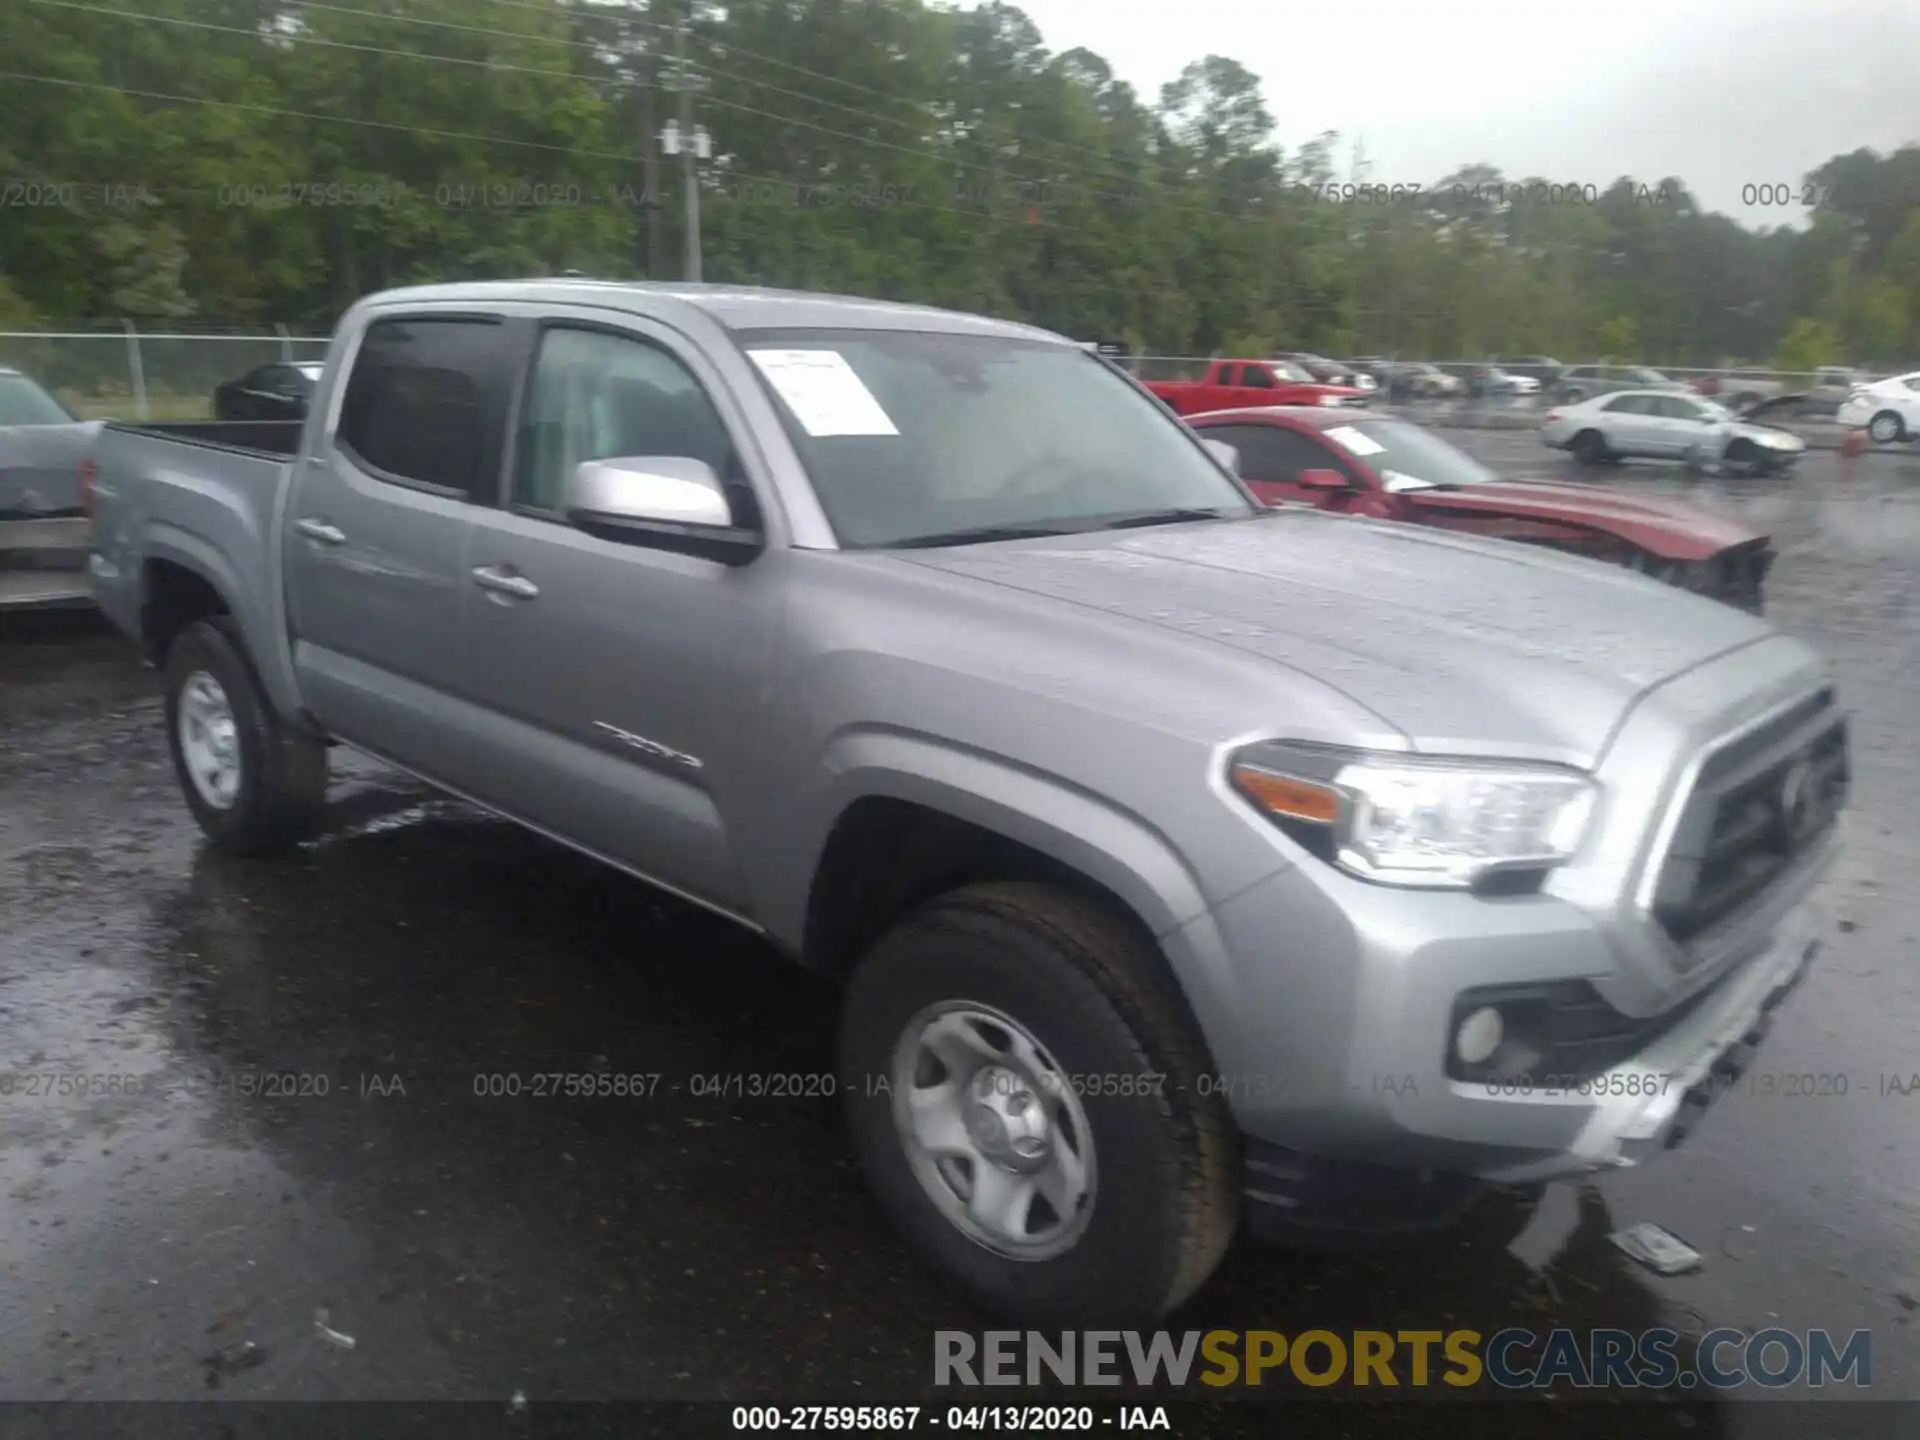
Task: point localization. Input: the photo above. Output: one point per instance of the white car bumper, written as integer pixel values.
(1856, 413)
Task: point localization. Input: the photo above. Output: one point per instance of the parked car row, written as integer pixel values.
(1392, 469)
(1669, 424)
(1888, 410)
(1253, 382)
(934, 651)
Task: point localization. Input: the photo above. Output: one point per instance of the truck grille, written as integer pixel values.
(1757, 805)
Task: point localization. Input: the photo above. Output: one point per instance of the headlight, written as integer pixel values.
(1407, 820)
(1333, 399)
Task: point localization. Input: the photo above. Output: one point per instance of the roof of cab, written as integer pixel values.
(735, 307)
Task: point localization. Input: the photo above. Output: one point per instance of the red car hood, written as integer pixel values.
(1670, 529)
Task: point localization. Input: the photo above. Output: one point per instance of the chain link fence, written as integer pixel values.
(119, 372)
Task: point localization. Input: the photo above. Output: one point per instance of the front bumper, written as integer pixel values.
(1334, 1039)
(1318, 1199)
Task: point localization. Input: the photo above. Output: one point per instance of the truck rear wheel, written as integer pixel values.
(255, 785)
(1027, 1092)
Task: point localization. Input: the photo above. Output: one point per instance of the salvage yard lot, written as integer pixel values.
(684, 1244)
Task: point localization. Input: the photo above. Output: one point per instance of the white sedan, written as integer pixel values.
(1667, 425)
(1889, 409)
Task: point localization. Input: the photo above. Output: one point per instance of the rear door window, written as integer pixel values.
(422, 404)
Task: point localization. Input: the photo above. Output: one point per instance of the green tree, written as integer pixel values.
(1807, 345)
(1618, 338)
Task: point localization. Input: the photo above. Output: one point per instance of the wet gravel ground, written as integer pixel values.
(703, 1247)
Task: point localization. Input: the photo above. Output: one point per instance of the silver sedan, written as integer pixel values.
(1663, 425)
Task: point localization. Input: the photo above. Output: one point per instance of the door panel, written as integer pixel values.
(629, 686)
(621, 692)
(1683, 426)
(377, 530)
(1631, 429)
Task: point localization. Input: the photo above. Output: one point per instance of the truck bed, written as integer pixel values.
(196, 493)
(277, 438)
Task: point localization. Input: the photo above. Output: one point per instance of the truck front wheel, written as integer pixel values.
(255, 784)
(1028, 1095)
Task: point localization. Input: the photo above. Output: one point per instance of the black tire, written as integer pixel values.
(1089, 988)
(1886, 428)
(1589, 447)
(1750, 457)
(282, 772)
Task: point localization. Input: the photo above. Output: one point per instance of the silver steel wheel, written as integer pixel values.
(1885, 428)
(209, 740)
(993, 1130)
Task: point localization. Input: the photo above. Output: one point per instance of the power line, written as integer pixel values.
(312, 115)
(265, 38)
(728, 46)
(1168, 201)
(1050, 226)
(493, 65)
(741, 175)
(399, 19)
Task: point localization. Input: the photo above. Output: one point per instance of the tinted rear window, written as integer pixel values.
(417, 404)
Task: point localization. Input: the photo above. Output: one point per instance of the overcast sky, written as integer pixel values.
(1722, 93)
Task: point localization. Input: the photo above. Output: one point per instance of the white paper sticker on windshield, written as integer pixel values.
(1354, 441)
(824, 393)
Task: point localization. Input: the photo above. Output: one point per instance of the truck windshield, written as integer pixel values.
(1405, 457)
(24, 403)
(909, 437)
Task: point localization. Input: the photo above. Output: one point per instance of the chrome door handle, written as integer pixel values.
(320, 530)
(489, 577)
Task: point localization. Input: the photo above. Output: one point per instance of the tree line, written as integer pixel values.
(242, 162)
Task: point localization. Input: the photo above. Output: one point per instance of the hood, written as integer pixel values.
(40, 467)
(1460, 643)
(1671, 529)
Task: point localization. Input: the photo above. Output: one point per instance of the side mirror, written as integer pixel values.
(1226, 454)
(668, 502)
(1321, 480)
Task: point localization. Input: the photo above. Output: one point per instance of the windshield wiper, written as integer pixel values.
(1164, 517)
(979, 534)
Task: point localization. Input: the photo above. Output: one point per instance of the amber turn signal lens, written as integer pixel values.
(1284, 795)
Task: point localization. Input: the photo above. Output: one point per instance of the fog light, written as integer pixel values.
(1479, 1036)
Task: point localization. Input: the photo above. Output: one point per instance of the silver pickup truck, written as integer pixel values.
(1185, 862)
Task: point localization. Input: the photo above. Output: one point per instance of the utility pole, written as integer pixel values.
(687, 140)
(650, 168)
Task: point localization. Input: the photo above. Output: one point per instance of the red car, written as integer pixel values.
(1252, 382)
(1365, 464)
